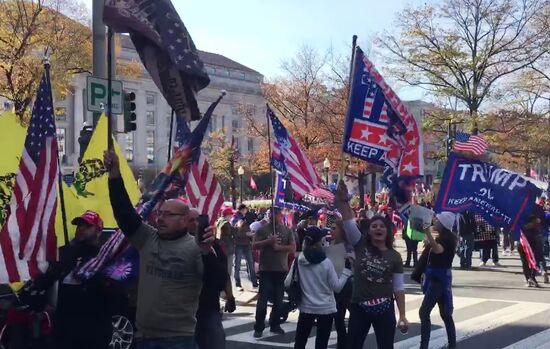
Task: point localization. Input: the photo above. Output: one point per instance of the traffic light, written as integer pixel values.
(129, 112)
(84, 139)
(449, 145)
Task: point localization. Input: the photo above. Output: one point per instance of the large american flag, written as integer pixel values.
(202, 189)
(27, 239)
(468, 143)
(289, 159)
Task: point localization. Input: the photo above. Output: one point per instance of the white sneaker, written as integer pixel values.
(482, 264)
(496, 264)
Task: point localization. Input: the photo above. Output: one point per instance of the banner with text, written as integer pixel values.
(502, 197)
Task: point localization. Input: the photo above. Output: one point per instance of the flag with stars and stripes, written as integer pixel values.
(470, 143)
(116, 256)
(290, 161)
(378, 128)
(165, 47)
(202, 189)
(27, 239)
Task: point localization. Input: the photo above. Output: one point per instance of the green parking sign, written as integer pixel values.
(96, 95)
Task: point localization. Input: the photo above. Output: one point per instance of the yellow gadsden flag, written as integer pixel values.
(91, 181)
(12, 138)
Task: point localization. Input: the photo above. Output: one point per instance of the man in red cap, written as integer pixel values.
(84, 308)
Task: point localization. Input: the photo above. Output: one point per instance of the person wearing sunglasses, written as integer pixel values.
(172, 264)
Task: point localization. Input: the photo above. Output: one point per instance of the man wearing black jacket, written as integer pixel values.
(83, 315)
(172, 265)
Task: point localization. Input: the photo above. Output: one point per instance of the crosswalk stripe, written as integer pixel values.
(470, 327)
(479, 324)
(540, 340)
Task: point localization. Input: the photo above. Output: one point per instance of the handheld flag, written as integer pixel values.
(27, 239)
(502, 197)
(290, 161)
(468, 143)
(12, 139)
(380, 130)
(117, 256)
(253, 183)
(91, 180)
(202, 189)
(165, 47)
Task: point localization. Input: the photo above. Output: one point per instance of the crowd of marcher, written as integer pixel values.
(186, 269)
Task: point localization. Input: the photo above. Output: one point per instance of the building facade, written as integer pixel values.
(147, 147)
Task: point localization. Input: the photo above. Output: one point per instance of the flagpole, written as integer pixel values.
(171, 135)
(352, 63)
(59, 177)
(271, 171)
(109, 88)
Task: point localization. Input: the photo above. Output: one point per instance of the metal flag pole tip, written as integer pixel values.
(224, 92)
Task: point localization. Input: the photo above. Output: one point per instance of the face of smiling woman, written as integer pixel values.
(378, 231)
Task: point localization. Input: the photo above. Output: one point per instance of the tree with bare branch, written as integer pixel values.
(29, 30)
(463, 48)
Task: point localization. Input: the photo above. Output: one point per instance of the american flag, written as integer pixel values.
(289, 159)
(468, 143)
(202, 189)
(165, 47)
(27, 239)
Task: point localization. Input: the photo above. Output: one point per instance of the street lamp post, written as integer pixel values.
(240, 171)
(326, 168)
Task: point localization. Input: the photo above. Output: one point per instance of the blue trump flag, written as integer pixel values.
(502, 197)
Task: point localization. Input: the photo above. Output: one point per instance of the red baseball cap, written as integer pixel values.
(227, 211)
(89, 217)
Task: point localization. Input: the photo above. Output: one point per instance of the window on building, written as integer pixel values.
(250, 144)
(129, 151)
(150, 116)
(60, 113)
(212, 124)
(235, 125)
(150, 146)
(224, 72)
(62, 145)
(150, 99)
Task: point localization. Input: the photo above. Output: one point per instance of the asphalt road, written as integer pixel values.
(493, 309)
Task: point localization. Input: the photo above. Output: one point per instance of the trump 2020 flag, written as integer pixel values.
(380, 130)
(165, 47)
(502, 197)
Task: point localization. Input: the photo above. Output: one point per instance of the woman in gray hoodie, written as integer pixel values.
(318, 282)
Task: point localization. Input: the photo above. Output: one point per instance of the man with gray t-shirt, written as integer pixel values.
(274, 248)
(172, 264)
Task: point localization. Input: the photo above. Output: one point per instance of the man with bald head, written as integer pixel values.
(172, 264)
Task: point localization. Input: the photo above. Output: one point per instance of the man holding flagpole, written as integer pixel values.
(172, 264)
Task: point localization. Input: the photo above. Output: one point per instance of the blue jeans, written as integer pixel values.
(435, 295)
(182, 342)
(246, 252)
(209, 331)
